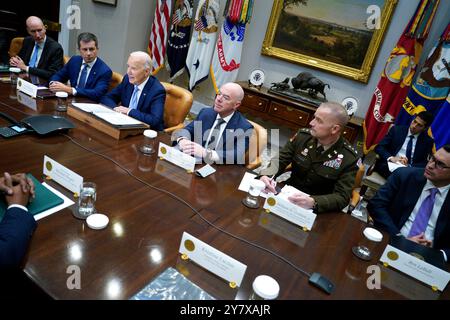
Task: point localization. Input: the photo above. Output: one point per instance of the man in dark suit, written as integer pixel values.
(409, 146)
(40, 55)
(415, 203)
(139, 95)
(17, 225)
(89, 76)
(220, 134)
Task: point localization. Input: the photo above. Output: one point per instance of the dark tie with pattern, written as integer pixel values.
(215, 134)
(409, 149)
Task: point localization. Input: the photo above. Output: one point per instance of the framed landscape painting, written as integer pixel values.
(338, 36)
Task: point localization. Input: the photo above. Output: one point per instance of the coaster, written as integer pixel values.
(97, 221)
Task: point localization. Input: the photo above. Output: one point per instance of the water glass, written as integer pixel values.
(371, 237)
(86, 201)
(251, 200)
(14, 74)
(62, 101)
(149, 142)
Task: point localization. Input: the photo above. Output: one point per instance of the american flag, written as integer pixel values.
(158, 37)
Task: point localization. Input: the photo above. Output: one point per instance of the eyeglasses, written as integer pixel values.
(438, 164)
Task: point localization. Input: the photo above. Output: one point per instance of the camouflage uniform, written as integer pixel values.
(328, 177)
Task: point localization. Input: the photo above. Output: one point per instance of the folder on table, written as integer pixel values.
(44, 200)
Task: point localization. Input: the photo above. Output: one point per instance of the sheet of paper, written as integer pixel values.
(117, 119)
(67, 203)
(394, 166)
(41, 88)
(245, 182)
(93, 107)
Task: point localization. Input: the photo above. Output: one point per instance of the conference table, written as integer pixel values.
(151, 202)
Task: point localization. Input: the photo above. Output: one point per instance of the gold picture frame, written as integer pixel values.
(323, 50)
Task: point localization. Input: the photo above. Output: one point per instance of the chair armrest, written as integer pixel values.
(172, 129)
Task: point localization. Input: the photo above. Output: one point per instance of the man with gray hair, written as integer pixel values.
(40, 55)
(139, 95)
(324, 164)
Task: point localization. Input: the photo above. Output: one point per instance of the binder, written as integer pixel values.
(44, 200)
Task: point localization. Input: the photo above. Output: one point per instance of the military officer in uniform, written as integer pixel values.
(324, 164)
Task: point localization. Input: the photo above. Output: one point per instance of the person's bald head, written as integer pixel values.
(36, 28)
(138, 67)
(228, 99)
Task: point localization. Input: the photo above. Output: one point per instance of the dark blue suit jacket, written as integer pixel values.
(392, 143)
(233, 143)
(394, 202)
(51, 60)
(96, 84)
(16, 229)
(150, 107)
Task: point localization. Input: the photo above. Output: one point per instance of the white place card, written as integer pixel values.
(27, 100)
(394, 166)
(415, 267)
(176, 157)
(291, 212)
(27, 87)
(60, 174)
(246, 180)
(212, 259)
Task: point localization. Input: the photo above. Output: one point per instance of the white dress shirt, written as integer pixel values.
(90, 64)
(41, 48)
(141, 87)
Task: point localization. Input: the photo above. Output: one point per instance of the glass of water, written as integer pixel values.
(86, 201)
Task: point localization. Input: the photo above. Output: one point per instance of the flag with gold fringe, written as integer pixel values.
(440, 127)
(203, 40)
(432, 85)
(179, 37)
(227, 55)
(158, 36)
(397, 75)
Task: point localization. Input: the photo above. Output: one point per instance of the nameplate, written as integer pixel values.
(60, 174)
(176, 157)
(27, 100)
(415, 267)
(27, 87)
(212, 259)
(291, 212)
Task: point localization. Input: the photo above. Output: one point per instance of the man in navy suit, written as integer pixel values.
(409, 146)
(139, 95)
(400, 206)
(220, 134)
(89, 76)
(40, 55)
(17, 224)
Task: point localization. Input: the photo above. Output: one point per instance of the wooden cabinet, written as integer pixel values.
(287, 112)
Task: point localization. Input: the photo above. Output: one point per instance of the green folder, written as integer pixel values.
(44, 200)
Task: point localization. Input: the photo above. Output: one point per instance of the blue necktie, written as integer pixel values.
(409, 149)
(134, 98)
(423, 215)
(83, 76)
(34, 57)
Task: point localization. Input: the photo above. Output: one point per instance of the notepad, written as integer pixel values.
(107, 114)
(44, 200)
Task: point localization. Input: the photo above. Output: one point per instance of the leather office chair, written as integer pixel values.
(373, 180)
(116, 79)
(356, 191)
(177, 106)
(66, 59)
(258, 142)
(15, 46)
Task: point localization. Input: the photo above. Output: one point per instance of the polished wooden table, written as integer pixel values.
(148, 217)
